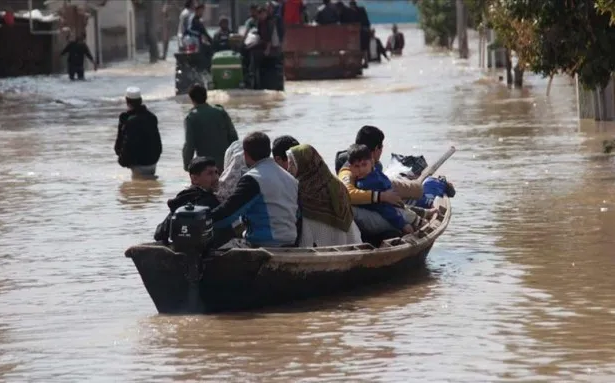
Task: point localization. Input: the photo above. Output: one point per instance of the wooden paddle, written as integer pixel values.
(430, 171)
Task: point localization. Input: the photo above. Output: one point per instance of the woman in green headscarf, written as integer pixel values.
(324, 200)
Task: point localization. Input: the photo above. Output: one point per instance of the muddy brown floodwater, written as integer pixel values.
(519, 288)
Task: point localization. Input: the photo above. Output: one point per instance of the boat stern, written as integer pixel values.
(171, 279)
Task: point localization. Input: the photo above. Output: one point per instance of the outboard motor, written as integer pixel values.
(191, 229)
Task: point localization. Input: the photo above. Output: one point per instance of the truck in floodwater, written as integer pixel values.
(309, 52)
(228, 69)
(322, 52)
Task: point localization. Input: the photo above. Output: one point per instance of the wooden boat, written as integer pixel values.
(241, 279)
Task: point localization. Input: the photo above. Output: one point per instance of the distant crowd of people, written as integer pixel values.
(261, 44)
(264, 29)
(263, 35)
(280, 193)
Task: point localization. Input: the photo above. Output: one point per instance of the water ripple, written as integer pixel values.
(518, 289)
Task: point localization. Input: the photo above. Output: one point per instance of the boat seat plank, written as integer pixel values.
(411, 241)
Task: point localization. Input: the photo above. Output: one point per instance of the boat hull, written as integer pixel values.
(181, 283)
(245, 279)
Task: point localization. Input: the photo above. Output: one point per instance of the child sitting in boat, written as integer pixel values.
(369, 176)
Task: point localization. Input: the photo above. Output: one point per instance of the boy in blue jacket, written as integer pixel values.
(371, 177)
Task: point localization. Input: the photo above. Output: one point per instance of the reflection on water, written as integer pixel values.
(519, 286)
(288, 343)
(138, 193)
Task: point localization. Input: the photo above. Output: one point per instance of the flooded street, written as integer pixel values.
(519, 287)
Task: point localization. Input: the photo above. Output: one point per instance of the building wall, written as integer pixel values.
(20, 5)
(114, 29)
(140, 21)
(34, 54)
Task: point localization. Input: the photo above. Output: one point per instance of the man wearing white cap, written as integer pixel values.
(138, 145)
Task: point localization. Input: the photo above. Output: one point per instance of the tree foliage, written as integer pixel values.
(548, 36)
(477, 13)
(518, 34)
(606, 7)
(438, 21)
(551, 36)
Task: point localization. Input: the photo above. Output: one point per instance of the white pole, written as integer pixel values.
(128, 30)
(576, 81)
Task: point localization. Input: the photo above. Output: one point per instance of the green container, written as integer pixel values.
(226, 70)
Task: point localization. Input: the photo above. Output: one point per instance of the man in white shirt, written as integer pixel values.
(184, 21)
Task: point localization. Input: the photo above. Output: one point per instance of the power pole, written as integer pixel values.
(462, 29)
(150, 30)
(166, 34)
(234, 15)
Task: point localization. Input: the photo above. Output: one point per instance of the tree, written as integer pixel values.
(606, 7)
(477, 13)
(462, 28)
(438, 21)
(548, 36)
(517, 34)
(150, 31)
(477, 20)
(149, 11)
(552, 36)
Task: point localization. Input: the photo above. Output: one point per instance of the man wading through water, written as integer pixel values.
(209, 129)
(77, 51)
(138, 145)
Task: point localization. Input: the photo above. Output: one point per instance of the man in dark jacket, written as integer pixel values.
(365, 28)
(199, 34)
(275, 10)
(203, 182)
(376, 49)
(209, 129)
(138, 145)
(221, 40)
(77, 51)
(346, 14)
(196, 27)
(396, 42)
(327, 14)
